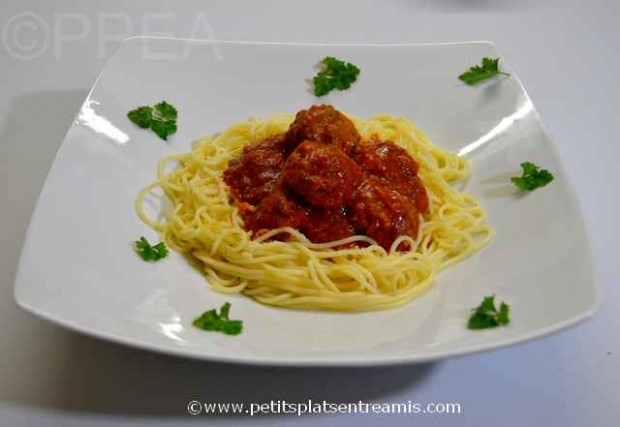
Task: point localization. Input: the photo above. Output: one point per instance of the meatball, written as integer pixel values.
(322, 123)
(254, 174)
(276, 210)
(321, 174)
(327, 225)
(395, 167)
(417, 191)
(381, 213)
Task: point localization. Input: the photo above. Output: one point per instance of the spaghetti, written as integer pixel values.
(298, 273)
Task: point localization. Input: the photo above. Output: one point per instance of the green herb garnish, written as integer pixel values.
(486, 316)
(162, 118)
(336, 74)
(211, 321)
(489, 68)
(150, 253)
(532, 177)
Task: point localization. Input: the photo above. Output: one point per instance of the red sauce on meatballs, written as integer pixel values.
(320, 178)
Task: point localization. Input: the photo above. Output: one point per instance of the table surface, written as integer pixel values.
(563, 51)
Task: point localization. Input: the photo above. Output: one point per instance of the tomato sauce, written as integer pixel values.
(320, 178)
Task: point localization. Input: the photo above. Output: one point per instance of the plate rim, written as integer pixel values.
(308, 362)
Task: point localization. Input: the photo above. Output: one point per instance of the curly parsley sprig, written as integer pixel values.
(487, 316)
(478, 73)
(532, 177)
(150, 252)
(212, 321)
(335, 74)
(161, 118)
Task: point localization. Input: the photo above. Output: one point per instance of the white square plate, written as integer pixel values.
(78, 268)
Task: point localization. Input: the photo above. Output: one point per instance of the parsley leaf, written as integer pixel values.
(532, 177)
(487, 316)
(148, 252)
(141, 116)
(478, 73)
(336, 74)
(162, 118)
(211, 321)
